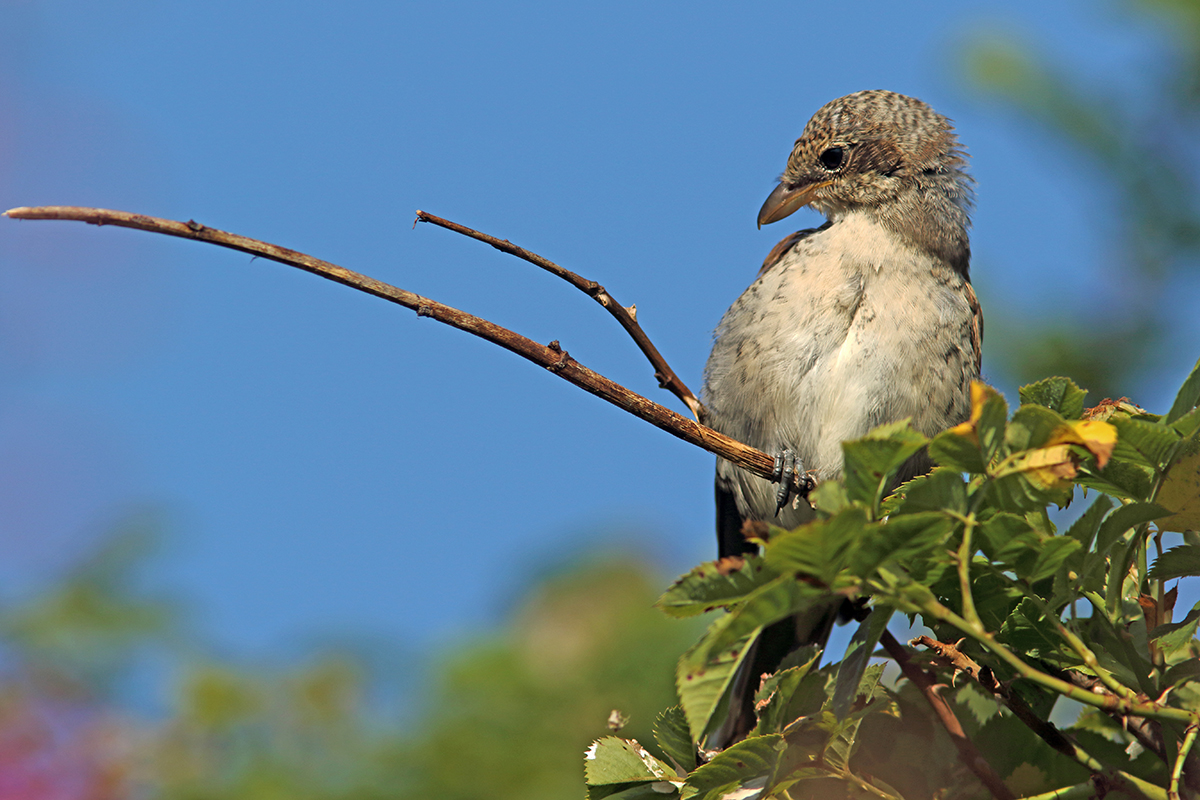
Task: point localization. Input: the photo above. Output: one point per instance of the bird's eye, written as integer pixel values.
(832, 158)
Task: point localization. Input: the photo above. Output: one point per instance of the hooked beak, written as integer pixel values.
(786, 199)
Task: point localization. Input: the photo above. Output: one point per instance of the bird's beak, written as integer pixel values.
(786, 199)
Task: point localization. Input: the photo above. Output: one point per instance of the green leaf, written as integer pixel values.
(1148, 443)
(991, 427)
(749, 764)
(1188, 424)
(1127, 516)
(958, 452)
(782, 597)
(1084, 529)
(703, 683)
(940, 489)
(1178, 562)
(1174, 639)
(1119, 477)
(1031, 427)
(1058, 394)
(1007, 539)
(1052, 555)
(843, 740)
(1028, 632)
(857, 658)
(1180, 490)
(614, 760)
(818, 548)
(900, 538)
(829, 497)
(1189, 395)
(674, 738)
(872, 461)
(707, 587)
(790, 693)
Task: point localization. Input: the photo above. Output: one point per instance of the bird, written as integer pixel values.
(867, 319)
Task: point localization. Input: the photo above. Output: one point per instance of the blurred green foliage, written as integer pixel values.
(1144, 142)
(505, 716)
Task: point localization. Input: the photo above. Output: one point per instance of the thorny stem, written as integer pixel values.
(961, 662)
(967, 751)
(1185, 747)
(1081, 649)
(1127, 783)
(929, 606)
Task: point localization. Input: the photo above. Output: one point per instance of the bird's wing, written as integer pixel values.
(787, 243)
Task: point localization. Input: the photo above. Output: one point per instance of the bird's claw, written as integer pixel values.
(787, 468)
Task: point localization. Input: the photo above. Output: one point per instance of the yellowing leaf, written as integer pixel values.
(980, 393)
(1097, 436)
(1180, 493)
(1045, 467)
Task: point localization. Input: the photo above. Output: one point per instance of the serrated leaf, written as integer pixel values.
(1180, 490)
(900, 538)
(818, 548)
(1059, 394)
(1178, 562)
(711, 586)
(1027, 632)
(957, 451)
(985, 429)
(1127, 516)
(873, 461)
(1032, 427)
(857, 658)
(1007, 538)
(749, 764)
(613, 760)
(1151, 443)
(941, 489)
(674, 738)
(781, 598)
(1084, 529)
(1051, 556)
(789, 694)
(1188, 424)
(1175, 638)
(1120, 478)
(1188, 396)
(843, 738)
(829, 497)
(703, 683)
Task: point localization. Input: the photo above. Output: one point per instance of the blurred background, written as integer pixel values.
(264, 536)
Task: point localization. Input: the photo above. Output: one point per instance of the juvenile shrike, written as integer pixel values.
(866, 320)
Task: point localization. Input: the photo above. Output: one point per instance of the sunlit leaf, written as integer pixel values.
(713, 585)
(1058, 394)
(674, 738)
(615, 760)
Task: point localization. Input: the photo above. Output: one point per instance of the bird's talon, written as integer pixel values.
(787, 469)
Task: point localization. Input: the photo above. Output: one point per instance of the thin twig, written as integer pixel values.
(552, 357)
(667, 379)
(967, 751)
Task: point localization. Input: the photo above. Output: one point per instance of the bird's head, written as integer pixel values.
(865, 151)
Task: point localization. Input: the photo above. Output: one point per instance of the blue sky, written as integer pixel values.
(325, 465)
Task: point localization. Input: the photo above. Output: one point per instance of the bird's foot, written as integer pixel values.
(789, 474)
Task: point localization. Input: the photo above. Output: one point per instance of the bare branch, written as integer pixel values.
(552, 357)
(667, 379)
